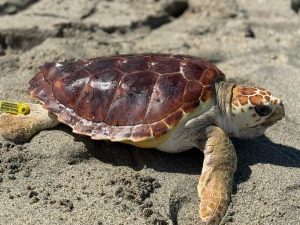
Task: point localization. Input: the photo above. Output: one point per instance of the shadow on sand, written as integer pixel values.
(262, 150)
(249, 152)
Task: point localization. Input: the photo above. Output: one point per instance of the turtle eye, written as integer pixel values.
(263, 110)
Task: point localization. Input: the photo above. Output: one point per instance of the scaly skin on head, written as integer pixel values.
(253, 110)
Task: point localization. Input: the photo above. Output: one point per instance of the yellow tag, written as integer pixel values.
(14, 107)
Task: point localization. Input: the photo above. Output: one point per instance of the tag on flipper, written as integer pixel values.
(18, 108)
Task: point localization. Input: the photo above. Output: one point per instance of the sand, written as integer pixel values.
(63, 178)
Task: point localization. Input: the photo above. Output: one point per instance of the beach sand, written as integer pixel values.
(62, 178)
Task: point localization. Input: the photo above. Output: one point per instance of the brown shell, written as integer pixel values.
(126, 97)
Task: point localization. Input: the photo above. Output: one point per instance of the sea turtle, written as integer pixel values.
(168, 102)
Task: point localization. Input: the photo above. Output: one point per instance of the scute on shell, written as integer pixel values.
(126, 97)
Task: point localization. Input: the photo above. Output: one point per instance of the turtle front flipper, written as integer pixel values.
(20, 128)
(215, 182)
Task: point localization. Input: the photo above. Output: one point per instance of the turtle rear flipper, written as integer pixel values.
(20, 128)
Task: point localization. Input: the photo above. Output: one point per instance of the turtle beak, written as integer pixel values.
(277, 115)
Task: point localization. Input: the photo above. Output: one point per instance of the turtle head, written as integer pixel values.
(253, 110)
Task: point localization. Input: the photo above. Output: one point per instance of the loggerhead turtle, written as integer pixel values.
(168, 102)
